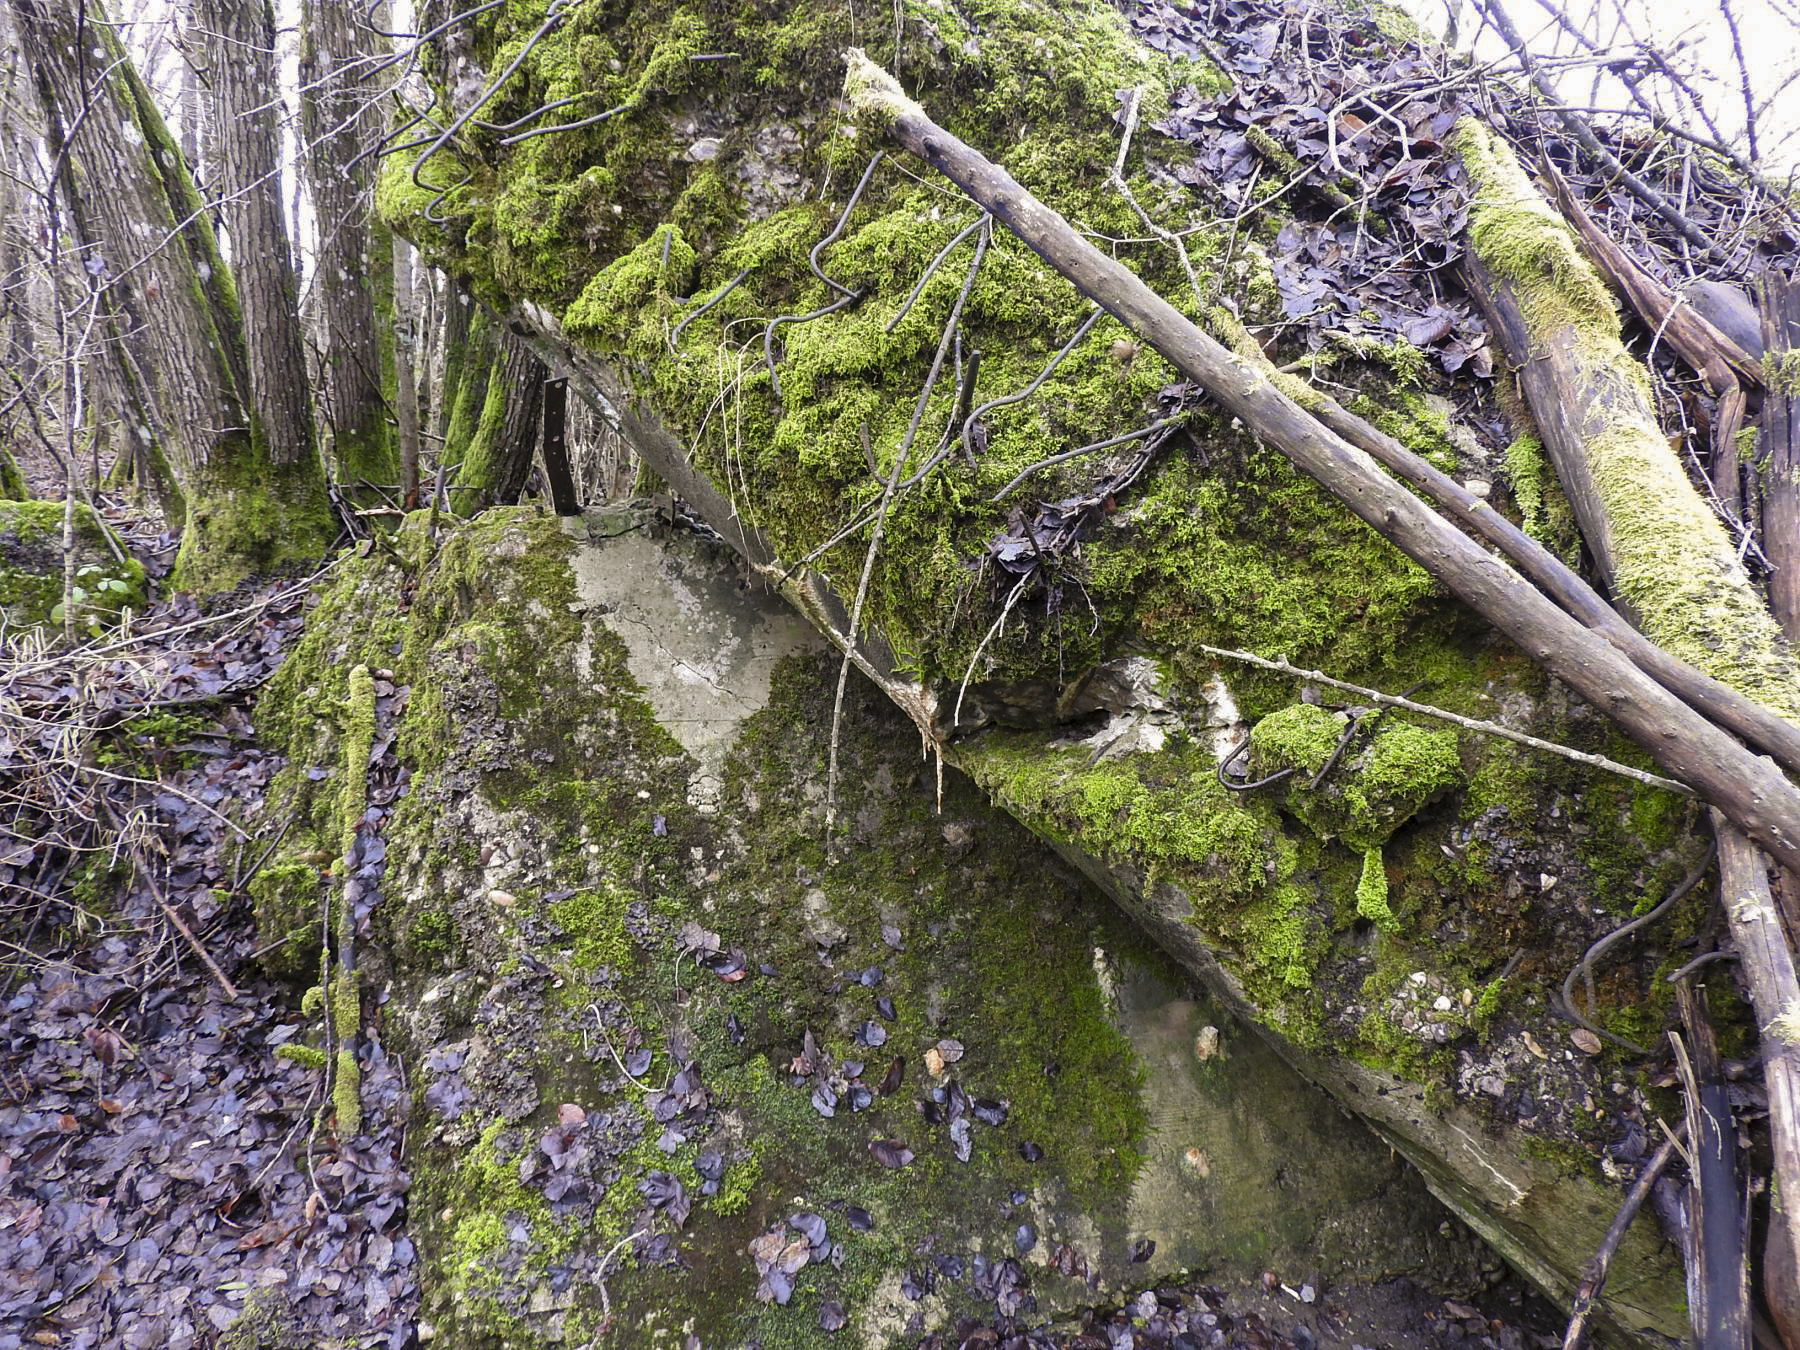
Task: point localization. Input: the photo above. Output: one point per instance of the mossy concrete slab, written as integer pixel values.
(546, 956)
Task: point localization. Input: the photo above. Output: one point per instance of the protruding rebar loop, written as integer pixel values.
(846, 296)
(1226, 763)
(727, 289)
(1162, 424)
(380, 146)
(1032, 388)
(422, 38)
(1584, 968)
(842, 302)
(534, 114)
(595, 120)
(552, 17)
(812, 258)
(931, 270)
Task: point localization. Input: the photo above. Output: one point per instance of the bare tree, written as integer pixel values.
(180, 356)
(353, 268)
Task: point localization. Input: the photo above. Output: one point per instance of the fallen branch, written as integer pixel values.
(1768, 968)
(1768, 732)
(1751, 791)
(1593, 1277)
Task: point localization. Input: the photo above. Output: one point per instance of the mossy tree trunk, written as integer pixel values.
(341, 119)
(1657, 544)
(180, 342)
(239, 44)
(499, 454)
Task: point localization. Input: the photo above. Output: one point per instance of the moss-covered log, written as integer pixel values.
(648, 254)
(1661, 549)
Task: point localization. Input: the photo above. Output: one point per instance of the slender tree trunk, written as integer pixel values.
(494, 467)
(179, 340)
(341, 117)
(406, 392)
(239, 41)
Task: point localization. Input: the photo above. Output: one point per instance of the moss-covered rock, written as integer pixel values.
(665, 256)
(32, 568)
(629, 968)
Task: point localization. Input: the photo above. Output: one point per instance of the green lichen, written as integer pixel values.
(1384, 775)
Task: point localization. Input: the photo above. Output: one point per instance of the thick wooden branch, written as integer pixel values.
(1768, 967)
(1748, 788)
(1656, 542)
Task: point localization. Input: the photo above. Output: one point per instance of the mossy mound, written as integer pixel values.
(637, 984)
(32, 569)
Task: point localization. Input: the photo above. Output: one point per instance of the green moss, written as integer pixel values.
(1386, 773)
(12, 481)
(1546, 514)
(346, 1088)
(32, 569)
(304, 1055)
(1522, 240)
(287, 897)
(1781, 373)
(595, 921)
(1372, 891)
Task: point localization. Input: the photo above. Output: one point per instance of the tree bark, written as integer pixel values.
(1748, 788)
(406, 400)
(239, 45)
(493, 469)
(354, 258)
(179, 336)
(1778, 449)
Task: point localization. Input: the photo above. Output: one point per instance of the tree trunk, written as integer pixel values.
(493, 468)
(239, 45)
(180, 338)
(341, 118)
(406, 393)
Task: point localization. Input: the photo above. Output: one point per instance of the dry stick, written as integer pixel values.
(1471, 723)
(1593, 1276)
(1768, 968)
(188, 933)
(1750, 789)
(887, 500)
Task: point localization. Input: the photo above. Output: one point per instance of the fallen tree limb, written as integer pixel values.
(1749, 789)
(1656, 542)
(1768, 968)
(1593, 1276)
